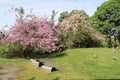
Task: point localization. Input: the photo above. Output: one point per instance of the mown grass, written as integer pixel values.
(75, 64)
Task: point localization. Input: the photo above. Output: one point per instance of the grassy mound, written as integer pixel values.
(75, 64)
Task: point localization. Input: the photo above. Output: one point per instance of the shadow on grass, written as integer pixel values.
(57, 78)
(0, 67)
(37, 55)
(33, 78)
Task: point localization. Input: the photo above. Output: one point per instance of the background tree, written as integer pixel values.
(63, 15)
(54, 13)
(107, 17)
(2, 35)
(76, 31)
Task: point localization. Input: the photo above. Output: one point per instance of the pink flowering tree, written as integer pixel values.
(35, 32)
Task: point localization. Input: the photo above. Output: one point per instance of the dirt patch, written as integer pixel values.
(9, 72)
(9, 76)
(6, 66)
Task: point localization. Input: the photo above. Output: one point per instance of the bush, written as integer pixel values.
(10, 50)
(112, 42)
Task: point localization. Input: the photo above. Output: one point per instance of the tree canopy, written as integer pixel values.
(107, 17)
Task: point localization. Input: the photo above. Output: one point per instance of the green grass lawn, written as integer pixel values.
(76, 64)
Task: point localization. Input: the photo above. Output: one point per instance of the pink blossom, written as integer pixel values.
(36, 32)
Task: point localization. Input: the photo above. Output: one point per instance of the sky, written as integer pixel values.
(45, 7)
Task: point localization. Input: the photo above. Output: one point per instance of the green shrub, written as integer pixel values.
(10, 50)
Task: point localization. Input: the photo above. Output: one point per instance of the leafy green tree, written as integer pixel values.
(107, 17)
(63, 15)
